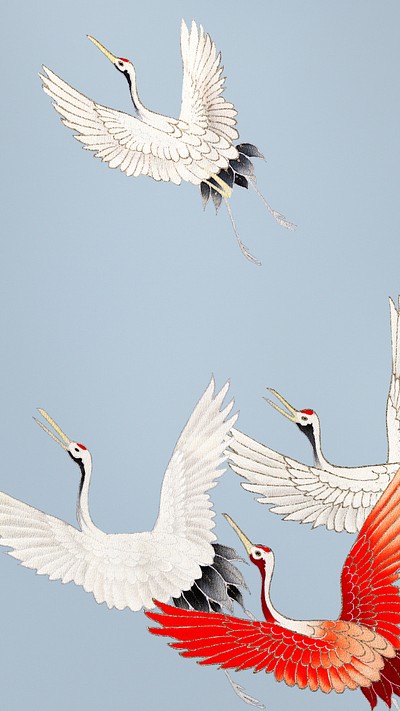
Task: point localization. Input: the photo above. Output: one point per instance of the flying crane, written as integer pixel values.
(198, 147)
(337, 497)
(177, 559)
(360, 649)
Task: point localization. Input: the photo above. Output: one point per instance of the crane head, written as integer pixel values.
(119, 63)
(302, 418)
(258, 554)
(78, 452)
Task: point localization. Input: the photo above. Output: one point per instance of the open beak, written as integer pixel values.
(291, 415)
(64, 441)
(246, 542)
(105, 51)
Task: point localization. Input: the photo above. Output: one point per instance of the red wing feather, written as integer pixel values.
(234, 643)
(369, 595)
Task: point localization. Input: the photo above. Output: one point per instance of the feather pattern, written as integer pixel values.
(129, 570)
(166, 149)
(393, 402)
(360, 649)
(339, 498)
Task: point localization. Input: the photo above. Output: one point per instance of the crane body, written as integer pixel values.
(337, 497)
(360, 649)
(198, 147)
(177, 559)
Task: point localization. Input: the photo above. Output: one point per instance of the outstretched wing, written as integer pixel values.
(129, 570)
(120, 570)
(342, 656)
(158, 146)
(393, 402)
(370, 595)
(185, 505)
(202, 102)
(340, 500)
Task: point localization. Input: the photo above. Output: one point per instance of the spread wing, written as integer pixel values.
(342, 656)
(370, 595)
(129, 570)
(202, 101)
(120, 570)
(185, 506)
(164, 148)
(393, 402)
(340, 499)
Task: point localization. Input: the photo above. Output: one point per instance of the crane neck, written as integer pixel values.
(306, 627)
(267, 571)
(313, 434)
(266, 604)
(130, 75)
(82, 505)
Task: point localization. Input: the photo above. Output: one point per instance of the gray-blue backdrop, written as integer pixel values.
(120, 297)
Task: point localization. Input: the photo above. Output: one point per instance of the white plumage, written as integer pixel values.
(129, 570)
(197, 147)
(337, 497)
(190, 148)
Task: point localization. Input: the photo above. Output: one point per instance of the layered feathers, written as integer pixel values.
(129, 570)
(337, 497)
(190, 148)
(360, 649)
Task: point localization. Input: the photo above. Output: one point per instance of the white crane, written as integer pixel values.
(337, 497)
(177, 558)
(198, 147)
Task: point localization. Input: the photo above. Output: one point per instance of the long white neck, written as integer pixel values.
(319, 457)
(313, 434)
(270, 613)
(130, 75)
(82, 505)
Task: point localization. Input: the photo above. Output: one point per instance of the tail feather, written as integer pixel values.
(240, 171)
(218, 586)
(387, 686)
(235, 174)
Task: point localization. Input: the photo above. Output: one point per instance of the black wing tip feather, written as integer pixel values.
(218, 587)
(237, 172)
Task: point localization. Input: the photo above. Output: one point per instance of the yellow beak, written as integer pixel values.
(291, 415)
(64, 441)
(246, 541)
(105, 51)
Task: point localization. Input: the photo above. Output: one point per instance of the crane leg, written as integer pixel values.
(242, 246)
(224, 190)
(242, 693)
(281, 220)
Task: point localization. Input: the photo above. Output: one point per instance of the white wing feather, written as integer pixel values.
(129, 570)
(189, 148)
(202, 101)
(393, 402)
(340, 498)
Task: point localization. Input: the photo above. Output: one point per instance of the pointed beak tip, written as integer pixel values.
(292, 412)
(64, 441)
(246, 541)
(103, 49)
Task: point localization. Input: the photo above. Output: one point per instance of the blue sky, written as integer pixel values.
(120, 297)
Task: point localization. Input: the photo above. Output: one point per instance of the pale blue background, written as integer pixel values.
(120, 297)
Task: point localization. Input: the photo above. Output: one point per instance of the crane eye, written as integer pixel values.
(305, 419)
(257, 554)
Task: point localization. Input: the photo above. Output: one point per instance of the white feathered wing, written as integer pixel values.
(393, 402)
(190, 148)
(129, 570)
(339, 498)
